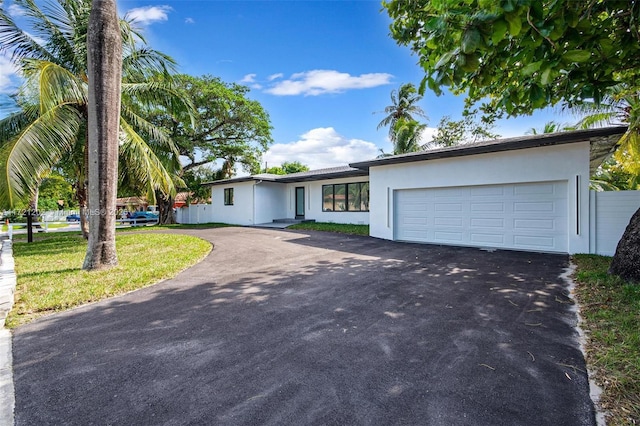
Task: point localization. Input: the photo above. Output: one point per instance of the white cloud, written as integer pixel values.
(249, 78)
(427, 134)
(189, 21)
(317, 82)
(321, 148)
(149, 14)
(275, 76)
(7, 74)
(15, 10)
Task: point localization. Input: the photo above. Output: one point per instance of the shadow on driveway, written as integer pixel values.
(307, 328)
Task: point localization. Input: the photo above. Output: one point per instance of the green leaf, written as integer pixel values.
(471, 40)
(499, 31)
(531, 68)
(515, 23)
(444, 60)
(536, 96)
(545, 76)
(576, 55)
(470, 62)
(432, 43)
(509, 5)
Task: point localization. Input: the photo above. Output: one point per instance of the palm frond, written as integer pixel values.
(55, 84)
(18, 42)
(12, 125)
(162, 93)
(156, 135)
(144, 62)
(35, 151)
(628, 152)
(50, 22)
(141, 164)
(597, 119)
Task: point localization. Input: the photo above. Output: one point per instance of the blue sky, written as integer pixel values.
(322, 69)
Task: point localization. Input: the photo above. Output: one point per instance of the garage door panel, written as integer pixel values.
(448, 207)
(536, 206)
(535, 188)
(487, 222)
(485, 191)
(487, 238)
(497, 207)
(530, 216)
(534, 224)
(448, 236)
(415, 221)
(449, 193)
(447, 221)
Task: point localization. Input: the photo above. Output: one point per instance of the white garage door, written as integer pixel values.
(531, 216)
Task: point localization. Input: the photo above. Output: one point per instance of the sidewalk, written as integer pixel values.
(7, 288)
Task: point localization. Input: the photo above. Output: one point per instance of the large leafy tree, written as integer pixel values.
(104, 63)
(228, 124)
(51, 124)
(404, 106)
(515, 56)
(466, 130)
(228, 127)
(288, 167)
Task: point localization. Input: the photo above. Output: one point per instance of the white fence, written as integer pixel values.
(609, 214)
(194, 214)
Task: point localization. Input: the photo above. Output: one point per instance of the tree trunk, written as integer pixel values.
(626, 261)
(165, 209)
(104, 57)
(81, 196)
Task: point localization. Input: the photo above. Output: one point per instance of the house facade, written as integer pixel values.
(339, 195)
(525, 193)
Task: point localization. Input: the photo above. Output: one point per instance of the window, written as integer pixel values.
(343, 197)
(228, 196)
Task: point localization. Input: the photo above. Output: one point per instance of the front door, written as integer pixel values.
(300, 202)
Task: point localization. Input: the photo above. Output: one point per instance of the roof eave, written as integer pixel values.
(507, 145)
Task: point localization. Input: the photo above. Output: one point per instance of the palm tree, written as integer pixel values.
(404, 105)
(550, 127)
(52, 122)
(104, 63)
(408, 134)
(619, 106)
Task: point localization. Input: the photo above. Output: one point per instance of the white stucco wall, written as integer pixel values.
(610, 214)
(313, 202)
(270, 202)
(241, 212)
(569, 162)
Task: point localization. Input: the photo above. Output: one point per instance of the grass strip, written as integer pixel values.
(341, 228)
(610, 309)
(50, 277)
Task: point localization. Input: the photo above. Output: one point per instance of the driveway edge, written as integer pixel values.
(594, 390)
(7, 289)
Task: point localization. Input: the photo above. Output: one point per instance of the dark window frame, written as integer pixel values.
(348, 188)
(228, 196)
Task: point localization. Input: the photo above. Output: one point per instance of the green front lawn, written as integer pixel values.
(610, 311)
(50, 277)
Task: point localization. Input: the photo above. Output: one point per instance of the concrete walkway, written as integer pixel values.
(304, 328)
(7, 289)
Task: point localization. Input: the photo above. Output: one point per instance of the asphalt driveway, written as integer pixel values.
(305, 328)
